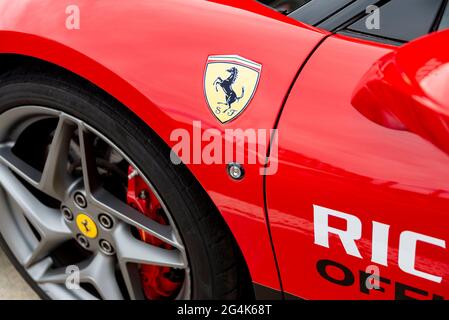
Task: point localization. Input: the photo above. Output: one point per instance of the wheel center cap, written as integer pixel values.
(86, 225)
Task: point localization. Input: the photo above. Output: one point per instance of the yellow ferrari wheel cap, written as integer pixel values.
(86, 225)
(230, 83)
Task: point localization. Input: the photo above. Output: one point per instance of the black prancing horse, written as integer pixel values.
(226, 85)
(85, 223)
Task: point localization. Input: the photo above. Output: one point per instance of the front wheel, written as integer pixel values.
(91, 206)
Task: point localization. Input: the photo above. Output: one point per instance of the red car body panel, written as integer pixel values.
(151, 55)
(332, 156)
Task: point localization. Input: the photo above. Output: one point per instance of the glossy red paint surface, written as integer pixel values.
(332, 156)
(409, 89)
(150, 55)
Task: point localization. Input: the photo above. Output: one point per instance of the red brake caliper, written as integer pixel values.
(158, 282)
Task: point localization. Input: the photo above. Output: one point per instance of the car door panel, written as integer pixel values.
(335, 164)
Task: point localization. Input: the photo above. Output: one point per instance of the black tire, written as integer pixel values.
(217, 267)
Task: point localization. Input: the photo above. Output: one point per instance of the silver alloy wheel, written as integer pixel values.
(33, 230)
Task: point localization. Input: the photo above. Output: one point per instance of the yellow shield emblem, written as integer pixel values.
(230, 83)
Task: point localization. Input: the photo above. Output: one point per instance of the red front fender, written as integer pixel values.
(151, 55)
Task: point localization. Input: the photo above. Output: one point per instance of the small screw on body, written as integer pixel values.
(235, 171)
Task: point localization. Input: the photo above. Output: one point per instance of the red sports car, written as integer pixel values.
(226, 149)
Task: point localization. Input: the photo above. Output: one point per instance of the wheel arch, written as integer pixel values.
(123, 95)
(123, 66)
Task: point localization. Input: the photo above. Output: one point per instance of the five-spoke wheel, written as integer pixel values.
(73, 193)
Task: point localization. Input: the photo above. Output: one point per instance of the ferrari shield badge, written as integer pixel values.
(230, 83)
